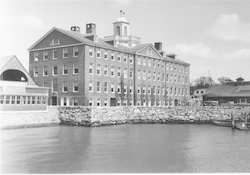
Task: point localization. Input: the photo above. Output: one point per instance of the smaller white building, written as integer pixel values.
(197, 96)
(18, 92)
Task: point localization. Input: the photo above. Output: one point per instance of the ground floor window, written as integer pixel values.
(22, 100)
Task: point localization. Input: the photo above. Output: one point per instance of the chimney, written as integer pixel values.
(90, 28)
(158, 46)
(75, 29)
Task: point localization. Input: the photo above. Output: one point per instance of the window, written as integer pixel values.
(91, 68)
(91, 86)
(106, 70)
(131, 73)
(91, 51)
(125, 89)
(24, 100)
(167, 66)
(33, 100)
(182, 92)
(144, 75)
(54, 42)
(144, 61)
(75, 86)
(125, 73)
(35, 72)
(179, 79)
(98, 86)
(179, 91)
(138, 102)
(149, 90)
(7, 101)
(175, 67)
(75, 52)
(167, 78)
(131, 89)
(38, 100)
(98, 69)
(112, 71)
(167, 91)
(171, 66)
(131, 59)
(28, 99)
(90, 102)
(75, 101)
(112, 56)
(154, 63)
(75, 68)
(139, 89)
(36, 56)
(149, 62)
(179, 68)
(163, 65)
(159, 90)
(112, 89)
(13, 99)
(119, 102)
(105, 87)
(65, 53)
(64, 87)
(1, 99)
(118, 88)
(154, 76)
(139, 60)
(159, 64)
(154, 88)
(65, 70)
(45, 71)
(45, 55)
(119, 57)
(130, 102)
(163, 77)
(139, 74)
(149, 75)
(171, 91)
(55, 54)
(118, 72)
(163, 91)
(125, 102)
(158, 77)
(186, 80)
(171, 78)
(105, 55)
(144, 89)
(175, 91)
(54, 70)
(44, 99)
(106, 102)
(98, 102)
(125, 58)
(98, 53)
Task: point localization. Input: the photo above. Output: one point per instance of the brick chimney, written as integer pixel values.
(158, 46)
(90, 28)
(75, 29)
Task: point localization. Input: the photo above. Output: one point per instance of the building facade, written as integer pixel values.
(18, 92)
(83, 69)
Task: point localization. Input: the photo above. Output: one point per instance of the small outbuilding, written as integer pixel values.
(18, 91)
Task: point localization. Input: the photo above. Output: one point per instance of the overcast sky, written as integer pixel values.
(213, 36)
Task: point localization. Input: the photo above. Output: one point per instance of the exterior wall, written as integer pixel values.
(227, 99)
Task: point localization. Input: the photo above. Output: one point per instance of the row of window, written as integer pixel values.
(140, 89)
(45, 54)
(65, 70)
(24, 100)
(140, 74)
(141, 60)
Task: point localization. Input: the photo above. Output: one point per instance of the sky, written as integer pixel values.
(213, 36)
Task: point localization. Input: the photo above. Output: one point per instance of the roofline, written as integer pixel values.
(12, 56)
(150, 44)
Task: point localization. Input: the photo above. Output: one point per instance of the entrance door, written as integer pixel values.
(54, 101)
(112, 102)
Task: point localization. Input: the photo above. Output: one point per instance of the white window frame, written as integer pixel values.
(112, 71)
(74, 85)
(53, 70)
(106, 72)
(149, 62)
(112, 88)
(149, 90)
(98, 102)
(91, 85)
(119, 57)
(131, 59)
(131, 72)
(131, 89)
(55, 50)
(91, 102)
(139, 60)
(65, 49)
(63, 69)
(112, 56)
(125, 58)
(64, 84)
(106, 88)
(98, 53)
(125, 89)
(139, 89)
(75, 50)
(98, 69)
(144, 90)
(91, 68)
(144, 75)
(105, 54)
(125, 73)
(139, 74)
(35, 72)
(91, 53)
(45, 53)
(36, 56)
(44, 71)
(98, 90)
(118, 72)
(75, 66)
(144, 61)
(119, 88)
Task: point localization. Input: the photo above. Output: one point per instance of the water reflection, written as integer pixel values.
(145, 148)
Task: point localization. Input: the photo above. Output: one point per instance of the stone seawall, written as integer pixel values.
(101, 116)
(27, 119)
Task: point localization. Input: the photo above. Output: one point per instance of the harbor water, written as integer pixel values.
(130, 148)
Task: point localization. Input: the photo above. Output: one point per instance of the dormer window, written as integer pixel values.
(55, 42)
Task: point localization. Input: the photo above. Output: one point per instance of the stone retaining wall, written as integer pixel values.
(100, 116)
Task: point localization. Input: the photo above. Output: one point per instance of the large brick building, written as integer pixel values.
(82, 69)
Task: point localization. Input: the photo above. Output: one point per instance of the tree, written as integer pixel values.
(202, 82)
(225, 80)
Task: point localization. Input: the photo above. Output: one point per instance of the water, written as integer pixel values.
(138, 148)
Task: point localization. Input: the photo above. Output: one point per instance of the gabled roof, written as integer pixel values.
(228, 91)
(4, 60)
